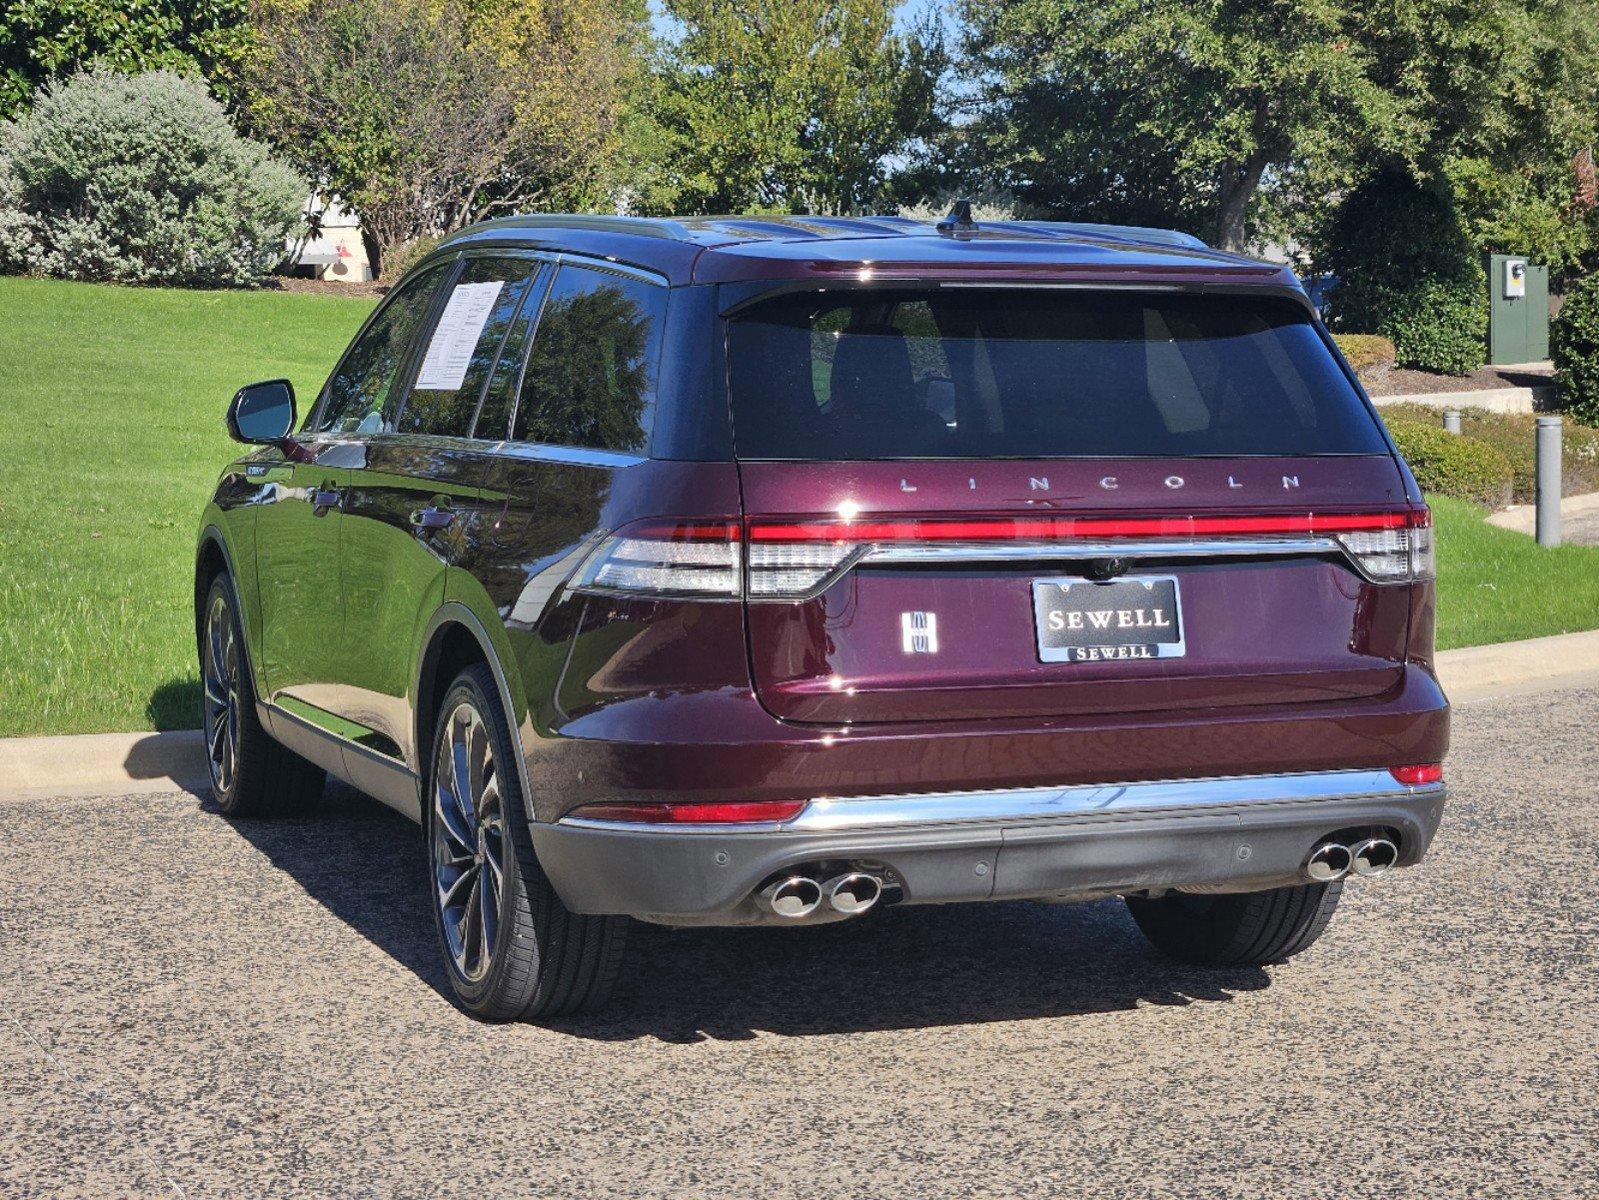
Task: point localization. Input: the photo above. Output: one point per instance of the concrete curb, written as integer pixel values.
(1478, 672)
(126, 764)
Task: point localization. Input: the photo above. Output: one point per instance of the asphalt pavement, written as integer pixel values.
(195, 1007)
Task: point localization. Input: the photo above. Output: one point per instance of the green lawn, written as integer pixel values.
(1498, 586)
(112, 400)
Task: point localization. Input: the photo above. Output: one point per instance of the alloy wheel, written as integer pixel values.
(468, 841)
(221, 694)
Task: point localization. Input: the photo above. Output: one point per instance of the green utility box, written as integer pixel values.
(1518, 310)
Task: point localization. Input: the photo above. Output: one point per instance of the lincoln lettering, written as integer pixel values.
(1109, 618)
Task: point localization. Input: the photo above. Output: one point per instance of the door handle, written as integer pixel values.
(323, 499)
(432, 518)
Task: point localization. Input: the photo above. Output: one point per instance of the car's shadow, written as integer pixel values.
(900, 968)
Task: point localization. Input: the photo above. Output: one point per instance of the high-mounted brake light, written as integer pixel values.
(732, 812)
(1422, 773)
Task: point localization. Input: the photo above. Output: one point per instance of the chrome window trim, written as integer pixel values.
(600, 263)
(571, 455)
(1027, 806)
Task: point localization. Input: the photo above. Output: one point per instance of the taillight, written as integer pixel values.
(1397, 554)
(672, 558)
(1416, 776)
(732, 812)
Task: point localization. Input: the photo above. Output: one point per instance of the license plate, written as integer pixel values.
(1079, 620)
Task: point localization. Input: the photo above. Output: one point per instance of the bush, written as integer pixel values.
(1574, 343)
(1514, 435)
(1448, 465)
(1407, 269)
(1366, 351)
(141, 179)
(402, 258)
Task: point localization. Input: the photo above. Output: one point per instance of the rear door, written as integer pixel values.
(409, 501)
(967, 503)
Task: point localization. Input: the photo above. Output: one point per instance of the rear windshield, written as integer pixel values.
(1036, 373)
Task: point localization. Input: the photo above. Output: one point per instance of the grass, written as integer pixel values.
(1495, 585)
(112, 400)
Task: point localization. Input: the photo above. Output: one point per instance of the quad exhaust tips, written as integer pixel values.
(796, 897)
(1331, 861)
(1373, 856)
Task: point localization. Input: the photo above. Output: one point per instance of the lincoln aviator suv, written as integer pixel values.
(732, 571)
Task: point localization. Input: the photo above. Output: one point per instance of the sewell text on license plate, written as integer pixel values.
(1081, 620)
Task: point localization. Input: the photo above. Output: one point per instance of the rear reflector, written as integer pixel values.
(737, 812)
(1418, 775)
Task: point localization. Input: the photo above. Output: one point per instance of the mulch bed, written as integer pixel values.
(1401, 381)
(320, 287)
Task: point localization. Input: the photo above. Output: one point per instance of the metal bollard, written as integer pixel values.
(1451, 420)
(1548, 446)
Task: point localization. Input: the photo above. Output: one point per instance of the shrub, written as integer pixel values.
(1574, 343)
(1448, 465)
(1366, 351)
(141, 179)
(1515, 436)
(1407, 269)
(402, 258)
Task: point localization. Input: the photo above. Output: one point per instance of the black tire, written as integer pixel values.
(251, 774)
(537, 959)
(1238, 929)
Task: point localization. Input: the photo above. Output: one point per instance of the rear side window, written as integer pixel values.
(455, 362)
(1016, 373)
(590, 378)
(359, 399)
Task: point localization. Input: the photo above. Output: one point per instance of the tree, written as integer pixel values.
(1240, 118)
(42, 40)
(140, 179)
(427, 115)
(787, 105)
(1165, 111)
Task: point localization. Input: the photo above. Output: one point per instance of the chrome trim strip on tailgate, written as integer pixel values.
(1014, 806)
(1079, 548)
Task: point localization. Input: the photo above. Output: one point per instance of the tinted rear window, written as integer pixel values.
(1012, 373)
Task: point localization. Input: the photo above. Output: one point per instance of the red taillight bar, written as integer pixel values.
(732, 812)
(1050, 528)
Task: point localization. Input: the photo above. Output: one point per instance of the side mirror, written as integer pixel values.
(262, 414)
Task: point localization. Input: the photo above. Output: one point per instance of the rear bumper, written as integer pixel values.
(1241, 833)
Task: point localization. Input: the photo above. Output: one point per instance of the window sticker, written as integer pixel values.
(450, 350)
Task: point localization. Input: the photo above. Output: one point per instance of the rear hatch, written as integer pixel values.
(967, 503)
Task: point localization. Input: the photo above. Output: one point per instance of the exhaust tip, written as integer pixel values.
(1373, 856)
(792, 898)
(854, 893)
(1329, 862)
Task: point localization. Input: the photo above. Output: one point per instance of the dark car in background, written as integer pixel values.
(775, 571)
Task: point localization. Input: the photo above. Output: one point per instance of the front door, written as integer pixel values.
(299, 530)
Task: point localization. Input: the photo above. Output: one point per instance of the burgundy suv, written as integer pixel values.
(772, 571)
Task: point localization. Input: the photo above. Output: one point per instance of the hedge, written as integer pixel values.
(1448, 465)
(1574, 344)
(1366, 351)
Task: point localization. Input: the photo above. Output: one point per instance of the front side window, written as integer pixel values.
(458, 356)
(359, 398)
(1036, 373)
(590, 377)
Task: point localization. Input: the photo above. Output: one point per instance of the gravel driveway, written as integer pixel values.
(199, 1008)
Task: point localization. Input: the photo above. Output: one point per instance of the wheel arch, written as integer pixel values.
(454, 638)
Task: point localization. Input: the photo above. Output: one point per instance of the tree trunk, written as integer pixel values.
(1237, 192)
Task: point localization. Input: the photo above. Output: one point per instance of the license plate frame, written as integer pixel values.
(1075, 645)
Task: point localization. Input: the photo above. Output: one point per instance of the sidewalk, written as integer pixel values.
(124, 764)
(1579, 519)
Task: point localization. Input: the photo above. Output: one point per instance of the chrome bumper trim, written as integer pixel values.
(1023, 806)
